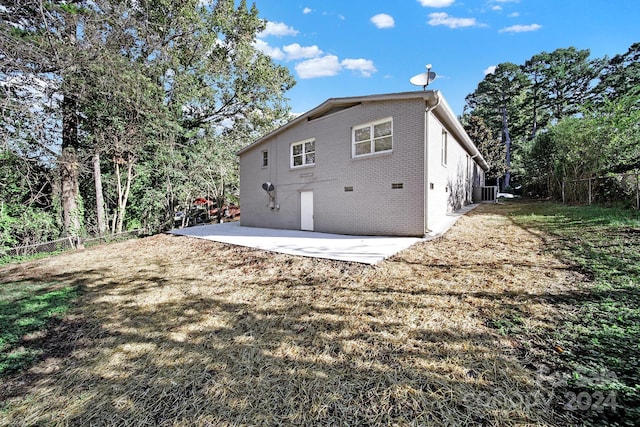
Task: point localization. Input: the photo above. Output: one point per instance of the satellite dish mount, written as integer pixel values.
(270, 189)
(423, 79)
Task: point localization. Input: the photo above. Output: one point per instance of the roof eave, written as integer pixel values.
(333, 102)
(443, 109)
(446, 114)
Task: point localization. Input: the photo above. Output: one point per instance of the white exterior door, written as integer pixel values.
(306, 210)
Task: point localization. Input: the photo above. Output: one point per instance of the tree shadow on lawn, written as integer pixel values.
(599, 333)
(442, 334)
(306, 349)
(28, 310)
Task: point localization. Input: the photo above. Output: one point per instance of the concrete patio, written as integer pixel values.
(361, 249)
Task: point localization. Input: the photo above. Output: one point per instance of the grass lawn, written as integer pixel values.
(602, 336)
(514, 317)
(27, 310)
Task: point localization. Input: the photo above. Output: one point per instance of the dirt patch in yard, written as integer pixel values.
(171, 330)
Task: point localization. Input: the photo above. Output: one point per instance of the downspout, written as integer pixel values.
(427, 111)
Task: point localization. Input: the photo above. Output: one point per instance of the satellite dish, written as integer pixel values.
(267, 186)
(423, 79)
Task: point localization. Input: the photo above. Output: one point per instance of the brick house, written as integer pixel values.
(390, 164)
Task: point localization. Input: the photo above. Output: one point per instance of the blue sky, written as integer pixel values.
(363, 47)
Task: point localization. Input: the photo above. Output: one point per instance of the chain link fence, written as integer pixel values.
(613, 189)
(69, 243)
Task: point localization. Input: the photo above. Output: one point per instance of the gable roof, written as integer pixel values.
(433, 99)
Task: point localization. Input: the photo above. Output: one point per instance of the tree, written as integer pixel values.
(567, 76)
(44, 44)
(534, 68)
(497, 99)
(492, 150)
(25, 202)
(217, 93)
(600, 142)
(618, 125)
(620, 76)
(222, 93)
(136, 87)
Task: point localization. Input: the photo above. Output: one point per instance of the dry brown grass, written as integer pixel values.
(177, 331)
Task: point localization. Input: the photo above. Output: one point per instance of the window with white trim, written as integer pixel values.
(303, 153)
(444, 148)
(265, 158)
(376, 137)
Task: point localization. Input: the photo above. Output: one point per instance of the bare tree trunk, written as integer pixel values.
(70, 192)
(113, 222)
(100, 210)
(534, 129)
(69, 163)
(69, 169)
(118, 214)
(505, 129)
(123, 195)
(220, 201)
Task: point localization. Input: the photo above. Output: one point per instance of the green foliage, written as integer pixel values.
(603, 335)
(29, 226)
(504, 88)
(621, 76)
(167, 90)
(27, 310)
(600, 143)
(492, 150)
(563, 125)
(70, 8)
(7, 239)
(23, 218)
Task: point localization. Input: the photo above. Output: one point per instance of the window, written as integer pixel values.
(397, 185)
(376, 137)
(444, 147)
(265, 158)
(303, 153)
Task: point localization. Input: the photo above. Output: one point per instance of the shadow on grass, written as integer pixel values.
(240, 337)
(28, 312)
(602, 336)
(284, 348)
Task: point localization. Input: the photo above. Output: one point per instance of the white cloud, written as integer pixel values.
(274, 52)
(490, 70)
(441, 18)
(330, 65)
(295, 51)
(521, 28)
(326, 66)
(306, 10)
(514, 15)
(278, 29)
(496, 8)
(382, 20)
(436, 3)
(364, 66)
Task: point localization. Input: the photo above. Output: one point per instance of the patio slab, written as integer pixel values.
(361, 249)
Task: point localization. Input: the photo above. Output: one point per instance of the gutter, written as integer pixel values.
(428, 109)
(446, 115)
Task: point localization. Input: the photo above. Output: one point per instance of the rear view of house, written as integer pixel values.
(392, 164)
